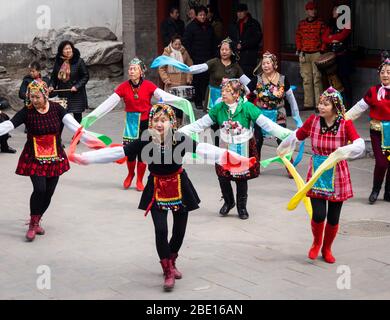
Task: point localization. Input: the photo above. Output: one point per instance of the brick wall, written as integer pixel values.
(140, 32)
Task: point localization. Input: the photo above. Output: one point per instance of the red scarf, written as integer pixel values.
(241, 23)
(64, 73)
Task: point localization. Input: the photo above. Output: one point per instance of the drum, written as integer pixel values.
(326, 63)
(186, 92)
(63, 102)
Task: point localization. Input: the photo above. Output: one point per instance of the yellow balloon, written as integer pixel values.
(300, 183)
(330, 162)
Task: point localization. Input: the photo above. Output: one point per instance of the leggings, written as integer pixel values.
(43, 191)
(381, 163)
(160, 217)
(319, 211)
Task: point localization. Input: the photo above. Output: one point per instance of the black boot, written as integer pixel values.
(242, 198)
(387, 192)
(374, 193)
(227, 195)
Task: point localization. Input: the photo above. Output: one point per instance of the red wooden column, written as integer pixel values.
(272, 17)
(162, 14)
(225, 10)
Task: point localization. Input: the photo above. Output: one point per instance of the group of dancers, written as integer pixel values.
(152, 139)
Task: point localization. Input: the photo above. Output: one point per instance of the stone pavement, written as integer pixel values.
(99, 246)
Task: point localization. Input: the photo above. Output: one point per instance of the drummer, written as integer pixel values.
(173, 77)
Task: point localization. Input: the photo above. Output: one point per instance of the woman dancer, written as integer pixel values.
(168, 186)
(43, 159)
(136, 93)
(377, 100)
(329, 133)
(234, 117)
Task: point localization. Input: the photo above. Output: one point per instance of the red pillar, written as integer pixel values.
(225, 10)
(272, 17)
(162, 14)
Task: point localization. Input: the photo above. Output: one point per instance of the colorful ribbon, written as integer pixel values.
(165, 60)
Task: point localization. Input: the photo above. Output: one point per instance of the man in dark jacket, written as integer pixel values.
(171, 26)
(200, 44)
(247, 35)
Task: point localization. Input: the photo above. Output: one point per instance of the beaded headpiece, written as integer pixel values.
(267, 55)
(36, 85)
(164, 109)
(234, 84)
(335, 97)
(140, 63)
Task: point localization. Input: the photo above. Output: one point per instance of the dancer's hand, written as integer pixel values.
(287, 145)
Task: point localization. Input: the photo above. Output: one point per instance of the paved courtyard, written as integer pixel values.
(98, 245)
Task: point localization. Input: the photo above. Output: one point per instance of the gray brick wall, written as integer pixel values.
(140, 32)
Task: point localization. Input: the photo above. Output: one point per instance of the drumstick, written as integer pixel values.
(62, 90)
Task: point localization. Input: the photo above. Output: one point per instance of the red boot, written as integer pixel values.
(141, 168)
(38, 229)
(130, 176)
(169, 274)
(330, 235)
(318, 231)
(178, 274)
(31, 232)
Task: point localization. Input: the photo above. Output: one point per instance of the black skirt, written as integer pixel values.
(190, 197)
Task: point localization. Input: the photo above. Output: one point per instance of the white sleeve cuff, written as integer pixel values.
(244, 80)
(272, 128)
(6, 127)
(357, 110)
(197, 126)
(199, 68)
(106, 106)
(105, 155)
(293, 102)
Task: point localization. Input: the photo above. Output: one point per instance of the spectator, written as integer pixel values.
(216, 22)
(337, 41)
(190, 15)
(309, 47)
(200, 43)
(70, 73)
(171, 76)
(247, 34)
(171, 26)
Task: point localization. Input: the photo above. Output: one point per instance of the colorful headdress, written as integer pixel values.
(165, 109)
(234, 84)
(140, 63)
(333, 95)
(36, 85)
(267, 55)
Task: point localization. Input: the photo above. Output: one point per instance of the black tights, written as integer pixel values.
(160, 220)
(43, 191)
(319, 211)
